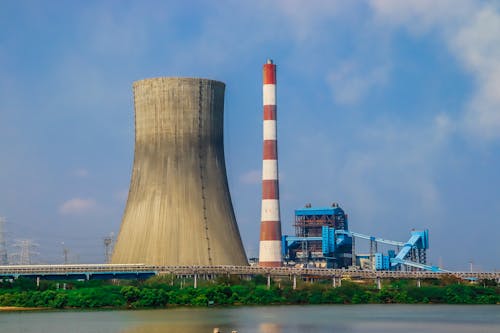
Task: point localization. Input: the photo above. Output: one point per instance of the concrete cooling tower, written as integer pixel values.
(179, 209)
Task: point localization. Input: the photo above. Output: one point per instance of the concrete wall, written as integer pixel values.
(179, 209)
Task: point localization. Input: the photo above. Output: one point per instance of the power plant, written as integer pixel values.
(179, 210)
(322, 239)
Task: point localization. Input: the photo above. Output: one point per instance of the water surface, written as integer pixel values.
(269, 319)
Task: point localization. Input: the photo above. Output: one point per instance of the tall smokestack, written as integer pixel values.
(270, 227)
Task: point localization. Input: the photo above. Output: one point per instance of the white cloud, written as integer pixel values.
(77, 206)
(470, 31)
(350, 84)
(305, 17)
(420, 16)
(477, 45)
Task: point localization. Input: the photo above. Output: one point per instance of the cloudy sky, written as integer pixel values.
(390, 108)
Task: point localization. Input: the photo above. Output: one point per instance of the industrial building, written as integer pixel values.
(315, 241)
(179, 210)
(323, 239)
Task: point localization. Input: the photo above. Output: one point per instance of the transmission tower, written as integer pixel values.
(108, 247)
(26, 252)
(3, 244)
(65, 253)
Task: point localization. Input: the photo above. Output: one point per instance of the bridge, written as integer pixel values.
(124, 271)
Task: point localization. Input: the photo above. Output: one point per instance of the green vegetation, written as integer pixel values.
(165, 291)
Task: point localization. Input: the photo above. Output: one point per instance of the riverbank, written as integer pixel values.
(19, 308)
(161, 292)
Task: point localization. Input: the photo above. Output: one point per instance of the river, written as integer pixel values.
(266, 319)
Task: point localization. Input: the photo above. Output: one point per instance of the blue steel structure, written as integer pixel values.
(322, 236)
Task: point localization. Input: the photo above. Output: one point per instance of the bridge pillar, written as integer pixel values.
(37, 281)
(195, 281)
(294, 282)
(334, 282)
(268, 281)
(379, 283)
(418, 283)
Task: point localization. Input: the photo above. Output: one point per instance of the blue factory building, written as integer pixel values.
(323, 239)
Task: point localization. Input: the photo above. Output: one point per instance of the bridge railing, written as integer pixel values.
(234, 270)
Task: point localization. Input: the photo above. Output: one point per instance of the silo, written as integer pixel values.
(179, 209)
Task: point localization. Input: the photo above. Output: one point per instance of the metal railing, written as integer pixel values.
(19, 270)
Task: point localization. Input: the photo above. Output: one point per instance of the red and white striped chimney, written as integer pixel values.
(270, 227)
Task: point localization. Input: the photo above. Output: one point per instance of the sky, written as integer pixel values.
(390, 108)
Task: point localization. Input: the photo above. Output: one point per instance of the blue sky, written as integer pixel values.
(390, 108)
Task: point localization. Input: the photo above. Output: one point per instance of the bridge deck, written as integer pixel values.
(139, 269)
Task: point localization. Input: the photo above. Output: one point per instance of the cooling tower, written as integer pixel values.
(179, 209)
